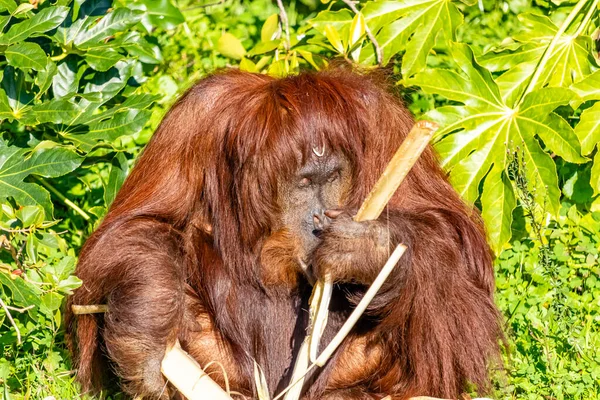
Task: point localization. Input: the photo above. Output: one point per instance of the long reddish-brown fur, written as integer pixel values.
(178, 256)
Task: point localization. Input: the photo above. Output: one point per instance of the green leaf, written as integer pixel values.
(116, 177)
(162, 14)
(230, 46)
(334, 38)
(114, 22)
(474, 140)
(568, 63)
(65, 82)
(26, 55)
(270, 28)
(595, 176)
(125, 123)
(55, 111)
(5, 110)
(498, 202)
(588, 128)
(22, 294)
(8, 5)
(588, 88)
(17, 94)
(30, 215)
(102, 60)
(43, 79)
(45, 20)
(16, 164)
(357, 31)
(420, 23)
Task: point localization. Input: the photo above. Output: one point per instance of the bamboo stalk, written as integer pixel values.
(392, 177)
(89, 309)
(188, 377)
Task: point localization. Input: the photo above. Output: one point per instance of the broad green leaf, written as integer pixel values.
(357, 31)
(5, 110)
(474, 139)
(55, 111)
(162, 14)
(588, 128)
(116, 177)
(65, 82)
(588, 88)
(102, 60)
(43, 79)
(498, 202)
(270, 28)
(125, 123)
(16, 164)
(340, 20)
(17, 94)
(23, 295)
(114, 22)
(8, 5)
(30, 215)
(26, 55)
(419, 24)
(230, 46)
(47, 19)
(23, 8)
(334, 38)
(568, 63)
(595, 178)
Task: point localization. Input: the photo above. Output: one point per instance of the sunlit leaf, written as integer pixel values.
(16, 164)
(115, 21)
(230, 46)
(45, 20)
(116, 177)
(475, 139)
(270, 28)
(26, 55)
(588, 128)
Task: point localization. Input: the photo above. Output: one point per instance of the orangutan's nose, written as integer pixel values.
(320, 222)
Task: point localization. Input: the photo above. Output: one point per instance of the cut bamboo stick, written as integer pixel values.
(390, 180)
(89, 309)
(188, 377)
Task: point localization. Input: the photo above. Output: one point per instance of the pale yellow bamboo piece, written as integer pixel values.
(390, 180)
(188, 377)
(89, 309)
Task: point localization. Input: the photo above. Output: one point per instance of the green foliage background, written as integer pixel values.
(514, 86)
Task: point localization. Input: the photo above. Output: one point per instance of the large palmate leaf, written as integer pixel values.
(406, 25)
(475, 138)
(17, 163)
(571, 59)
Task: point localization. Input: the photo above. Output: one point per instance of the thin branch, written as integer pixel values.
(285, 22)
(12, 321)
(62, 198)
(378, 50)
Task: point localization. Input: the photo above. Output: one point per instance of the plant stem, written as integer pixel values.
(11, 320)
(62, 198)
(588, 17)
(550, 49)
(285, 23)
